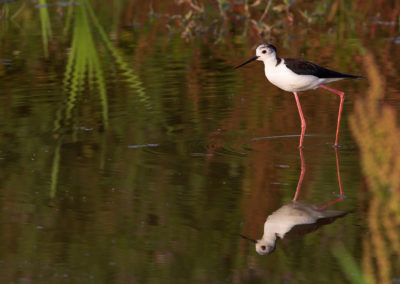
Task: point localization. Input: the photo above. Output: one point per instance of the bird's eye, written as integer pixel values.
(263, 247)
(264, 51)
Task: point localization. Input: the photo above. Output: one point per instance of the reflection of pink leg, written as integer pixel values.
(303, 121)
(338, 173)
(341, 95)
(303, 170)
(323, 207)
(340, 185)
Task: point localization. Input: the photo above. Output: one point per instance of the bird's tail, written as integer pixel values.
(352, 76)
(334, 213)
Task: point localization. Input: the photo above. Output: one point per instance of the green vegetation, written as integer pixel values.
(46, 25)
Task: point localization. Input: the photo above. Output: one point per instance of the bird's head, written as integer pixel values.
(265, 51)
(265, 245)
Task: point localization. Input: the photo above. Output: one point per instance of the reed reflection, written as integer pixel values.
(297, 218)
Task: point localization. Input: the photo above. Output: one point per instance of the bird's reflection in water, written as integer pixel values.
(297, 218)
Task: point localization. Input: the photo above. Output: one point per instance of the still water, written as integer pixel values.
(132, 152)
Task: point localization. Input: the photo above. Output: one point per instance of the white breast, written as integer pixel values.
(287, 80)
(295, 213)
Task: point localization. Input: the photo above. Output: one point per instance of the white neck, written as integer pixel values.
(270, 62)
(269, 237)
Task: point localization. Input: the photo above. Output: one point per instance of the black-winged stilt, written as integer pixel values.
(294, 75)
(287, 217)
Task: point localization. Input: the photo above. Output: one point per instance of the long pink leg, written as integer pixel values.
(303, 171)
(303, 121)
(341, 95)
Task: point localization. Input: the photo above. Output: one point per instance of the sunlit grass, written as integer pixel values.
(377, 134)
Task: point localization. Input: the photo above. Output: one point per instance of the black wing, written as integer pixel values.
(304, 229)
(307, 68)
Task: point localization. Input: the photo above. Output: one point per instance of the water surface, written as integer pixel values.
(131, 155)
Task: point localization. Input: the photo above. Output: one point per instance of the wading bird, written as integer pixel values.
(294, 75)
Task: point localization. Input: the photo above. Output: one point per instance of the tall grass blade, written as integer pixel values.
(46, 26)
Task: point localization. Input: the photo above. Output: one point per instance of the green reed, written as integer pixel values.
(45, 25)
(84, 62)
(84, 70)
(127, 72)
(55, 169)
(349, 265)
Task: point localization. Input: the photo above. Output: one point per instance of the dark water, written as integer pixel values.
(131, 155)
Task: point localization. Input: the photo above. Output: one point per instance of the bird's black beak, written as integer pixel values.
(247, 238)
(248, 61)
